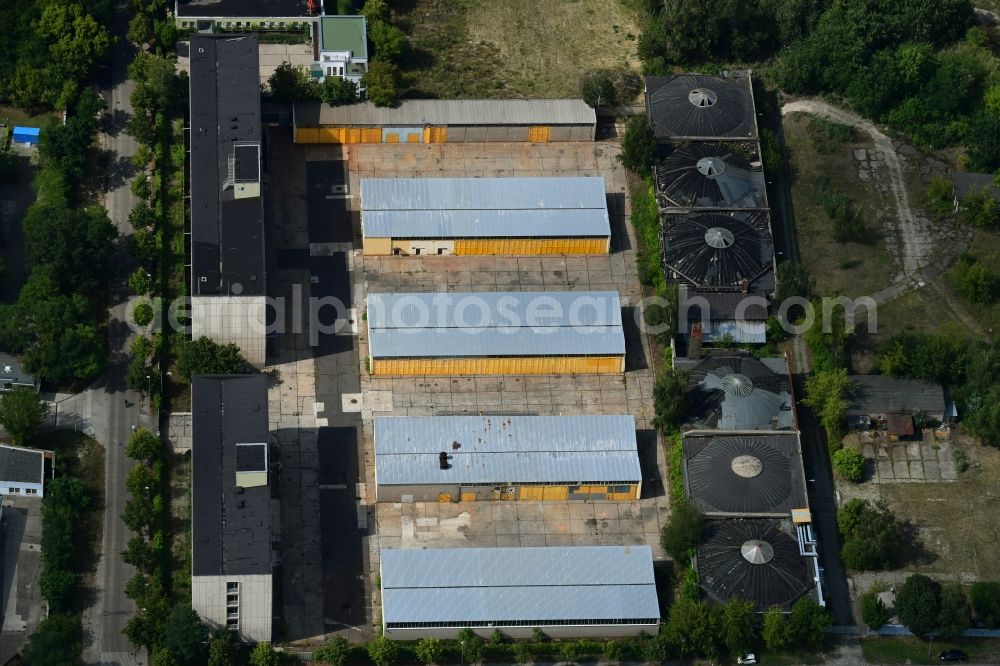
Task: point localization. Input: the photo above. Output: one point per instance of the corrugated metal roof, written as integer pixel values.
(499, 449)
(423, 325)
(484, 207)
(518, 584)
(424, 112)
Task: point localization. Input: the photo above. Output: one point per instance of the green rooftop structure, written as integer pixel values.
(343, 47)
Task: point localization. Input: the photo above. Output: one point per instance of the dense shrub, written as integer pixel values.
(985, 597)
(683, 531)
(918, 604)
(850, 464)
(873, 611)
(872, 537)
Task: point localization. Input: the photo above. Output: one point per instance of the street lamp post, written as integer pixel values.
(149, 384)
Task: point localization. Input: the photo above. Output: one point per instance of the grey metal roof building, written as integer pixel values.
(698, 107)
(495, 324)
(227, 227)
(965, 182)
(448, 112)
(740, 392)
(879, 395)
(567, 591)
(744, 474)
(231, 524)
(484, 207)
(724, 251)
(711, 176)
(504, 450)
(753, 559)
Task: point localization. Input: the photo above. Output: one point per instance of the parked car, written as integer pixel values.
(953, 656)
(750, 658)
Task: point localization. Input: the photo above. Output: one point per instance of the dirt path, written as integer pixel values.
(915, 237)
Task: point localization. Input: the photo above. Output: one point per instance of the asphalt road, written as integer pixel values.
(116, 409)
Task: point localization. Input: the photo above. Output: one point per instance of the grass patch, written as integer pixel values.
(828, 136)
(849, 197)
(484, 49)
(957, 523)
(15, 116)
(910, 650)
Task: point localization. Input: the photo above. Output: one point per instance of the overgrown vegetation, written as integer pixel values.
(22, 413)
(827, 392)
(849, 464)
(872, 537)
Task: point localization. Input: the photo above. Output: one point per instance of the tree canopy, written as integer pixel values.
(683, 531)
(873, 538)
(22, 413)
(918, 604)
(56, 642)
(205, 357)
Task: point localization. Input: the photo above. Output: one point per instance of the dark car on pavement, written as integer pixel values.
(953, 656)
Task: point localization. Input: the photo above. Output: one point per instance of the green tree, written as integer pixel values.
(185, 636)
(143, 313)
(873, 611)
(289, 83)
(336, 90)
(775, 630)
(375, 10)
(794, 280)
(808, 623)
(638, 145)
(954, 617)
(205, 357)
(827, 392)
(388, 40)
(979, 208)
(683, 531)
(736, 624)
(918, 604)
(984, 141)
(78, 44)
(522, 653)
(627, 84)
(598, 89)
(471, 646)
(381, 83)
(429, 650)
(264, 654)
(670, 399)
(985, 598)
(22, 413)
(850, 464)
(977, 283)
(692, 628)
(144, 446)
(336, 651)
(77, 244)
(382, 651)
(56, 642)
(939, 196)
(873, 538)
(140, 282)
(140, 29)
(57, 587)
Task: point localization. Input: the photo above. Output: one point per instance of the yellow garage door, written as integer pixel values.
(435, 134)
(538, 134)
(391, 137)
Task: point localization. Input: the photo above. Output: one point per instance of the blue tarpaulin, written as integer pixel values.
(26, 134)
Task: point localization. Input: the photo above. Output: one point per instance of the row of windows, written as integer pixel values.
(520, 623)
(619, 486)
(27, 491)
(295, 25)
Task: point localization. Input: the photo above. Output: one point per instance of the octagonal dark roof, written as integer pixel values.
(695, 106)
(718, 250)
(744, 474)
(710, 175)
(754, 560)
(739, 393)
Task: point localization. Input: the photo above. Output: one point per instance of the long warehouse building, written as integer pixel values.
(477, 458)
(228, 281)
(232, 585)
(496, 333)
(567, 592)
(446, 121)
(462, 216)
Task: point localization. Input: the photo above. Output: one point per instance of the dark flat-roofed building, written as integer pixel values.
(744, 474)
(13, 374)
(758, 560)
(231, 536)
(891, 402)
(228, 277)
(698, 107)
(207, 15)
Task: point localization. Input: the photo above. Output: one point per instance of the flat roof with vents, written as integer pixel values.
(495, 324)
(729, 474)
(699, 107)
(505, 449)
(227, 222)
(230, 519)
(485, 587)
(484, 208)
